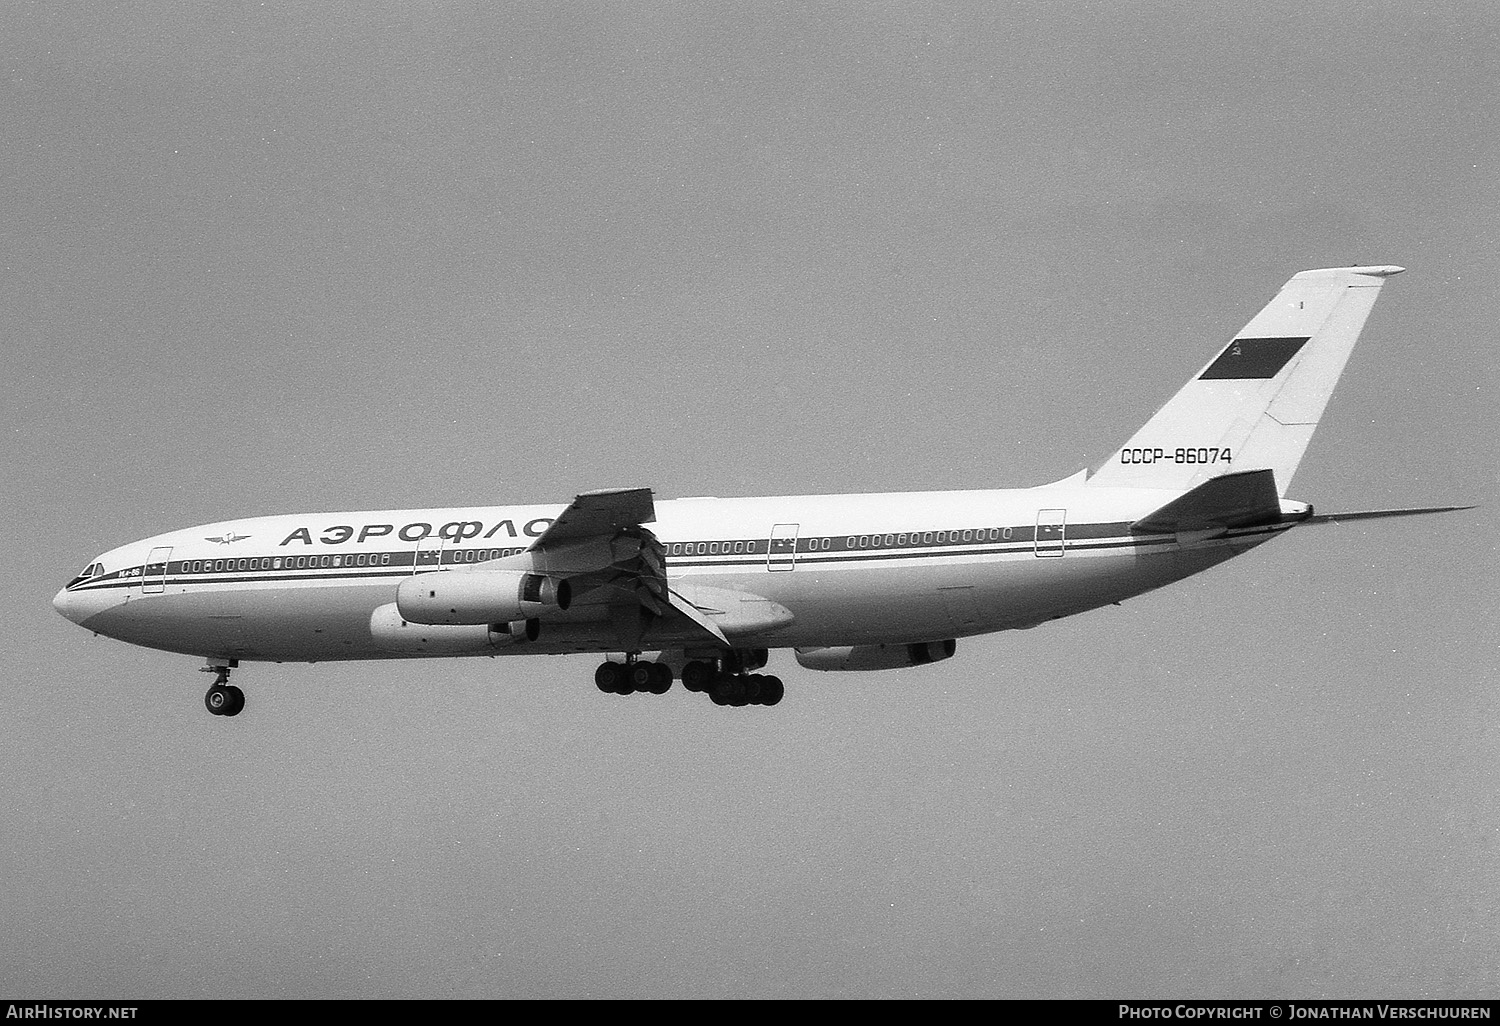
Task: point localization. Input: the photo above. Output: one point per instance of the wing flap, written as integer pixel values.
(682, 607)
(731, 610)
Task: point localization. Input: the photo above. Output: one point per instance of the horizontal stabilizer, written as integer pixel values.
(1230, 500)
(1372, 514)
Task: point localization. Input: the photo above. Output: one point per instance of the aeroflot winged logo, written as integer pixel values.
(227, 539)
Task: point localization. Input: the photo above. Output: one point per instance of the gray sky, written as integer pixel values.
(266, 259)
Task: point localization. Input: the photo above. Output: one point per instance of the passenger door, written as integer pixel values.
(154, 573)
(1051, 531)
(782, 552)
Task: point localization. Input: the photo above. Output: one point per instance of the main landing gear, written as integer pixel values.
(223, 698)
(730, 687)
(724, 680)
(630, 677)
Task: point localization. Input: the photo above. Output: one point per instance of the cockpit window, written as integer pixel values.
(92, 570)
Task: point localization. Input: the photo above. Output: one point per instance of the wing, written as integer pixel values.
(599, 514)
(602, 548)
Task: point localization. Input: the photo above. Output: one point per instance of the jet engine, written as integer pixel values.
(480, 596)
(875, 657)
(392, 632)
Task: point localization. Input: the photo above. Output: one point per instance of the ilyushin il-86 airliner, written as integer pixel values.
(701, 590)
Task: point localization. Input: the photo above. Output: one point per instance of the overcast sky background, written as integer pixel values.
(278, 258)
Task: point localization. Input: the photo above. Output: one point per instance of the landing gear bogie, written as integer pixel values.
(726, 681)
(730, 687)
(634, 676)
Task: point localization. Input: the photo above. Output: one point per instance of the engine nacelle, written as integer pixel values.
(480, 596)
(394, 633)
(875, 657)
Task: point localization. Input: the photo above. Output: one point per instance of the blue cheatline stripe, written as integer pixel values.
(1082, 537)
(955, 540)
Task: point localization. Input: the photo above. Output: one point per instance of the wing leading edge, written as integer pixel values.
(599, 513)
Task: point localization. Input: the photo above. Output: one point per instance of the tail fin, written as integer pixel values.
(1255, 405)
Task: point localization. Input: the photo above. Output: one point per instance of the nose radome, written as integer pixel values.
(60, 602)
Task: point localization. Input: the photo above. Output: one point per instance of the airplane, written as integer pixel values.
(702, 589)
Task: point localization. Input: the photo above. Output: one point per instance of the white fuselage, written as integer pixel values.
(835, 569)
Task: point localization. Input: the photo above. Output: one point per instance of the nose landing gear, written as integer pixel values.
(223, 698)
